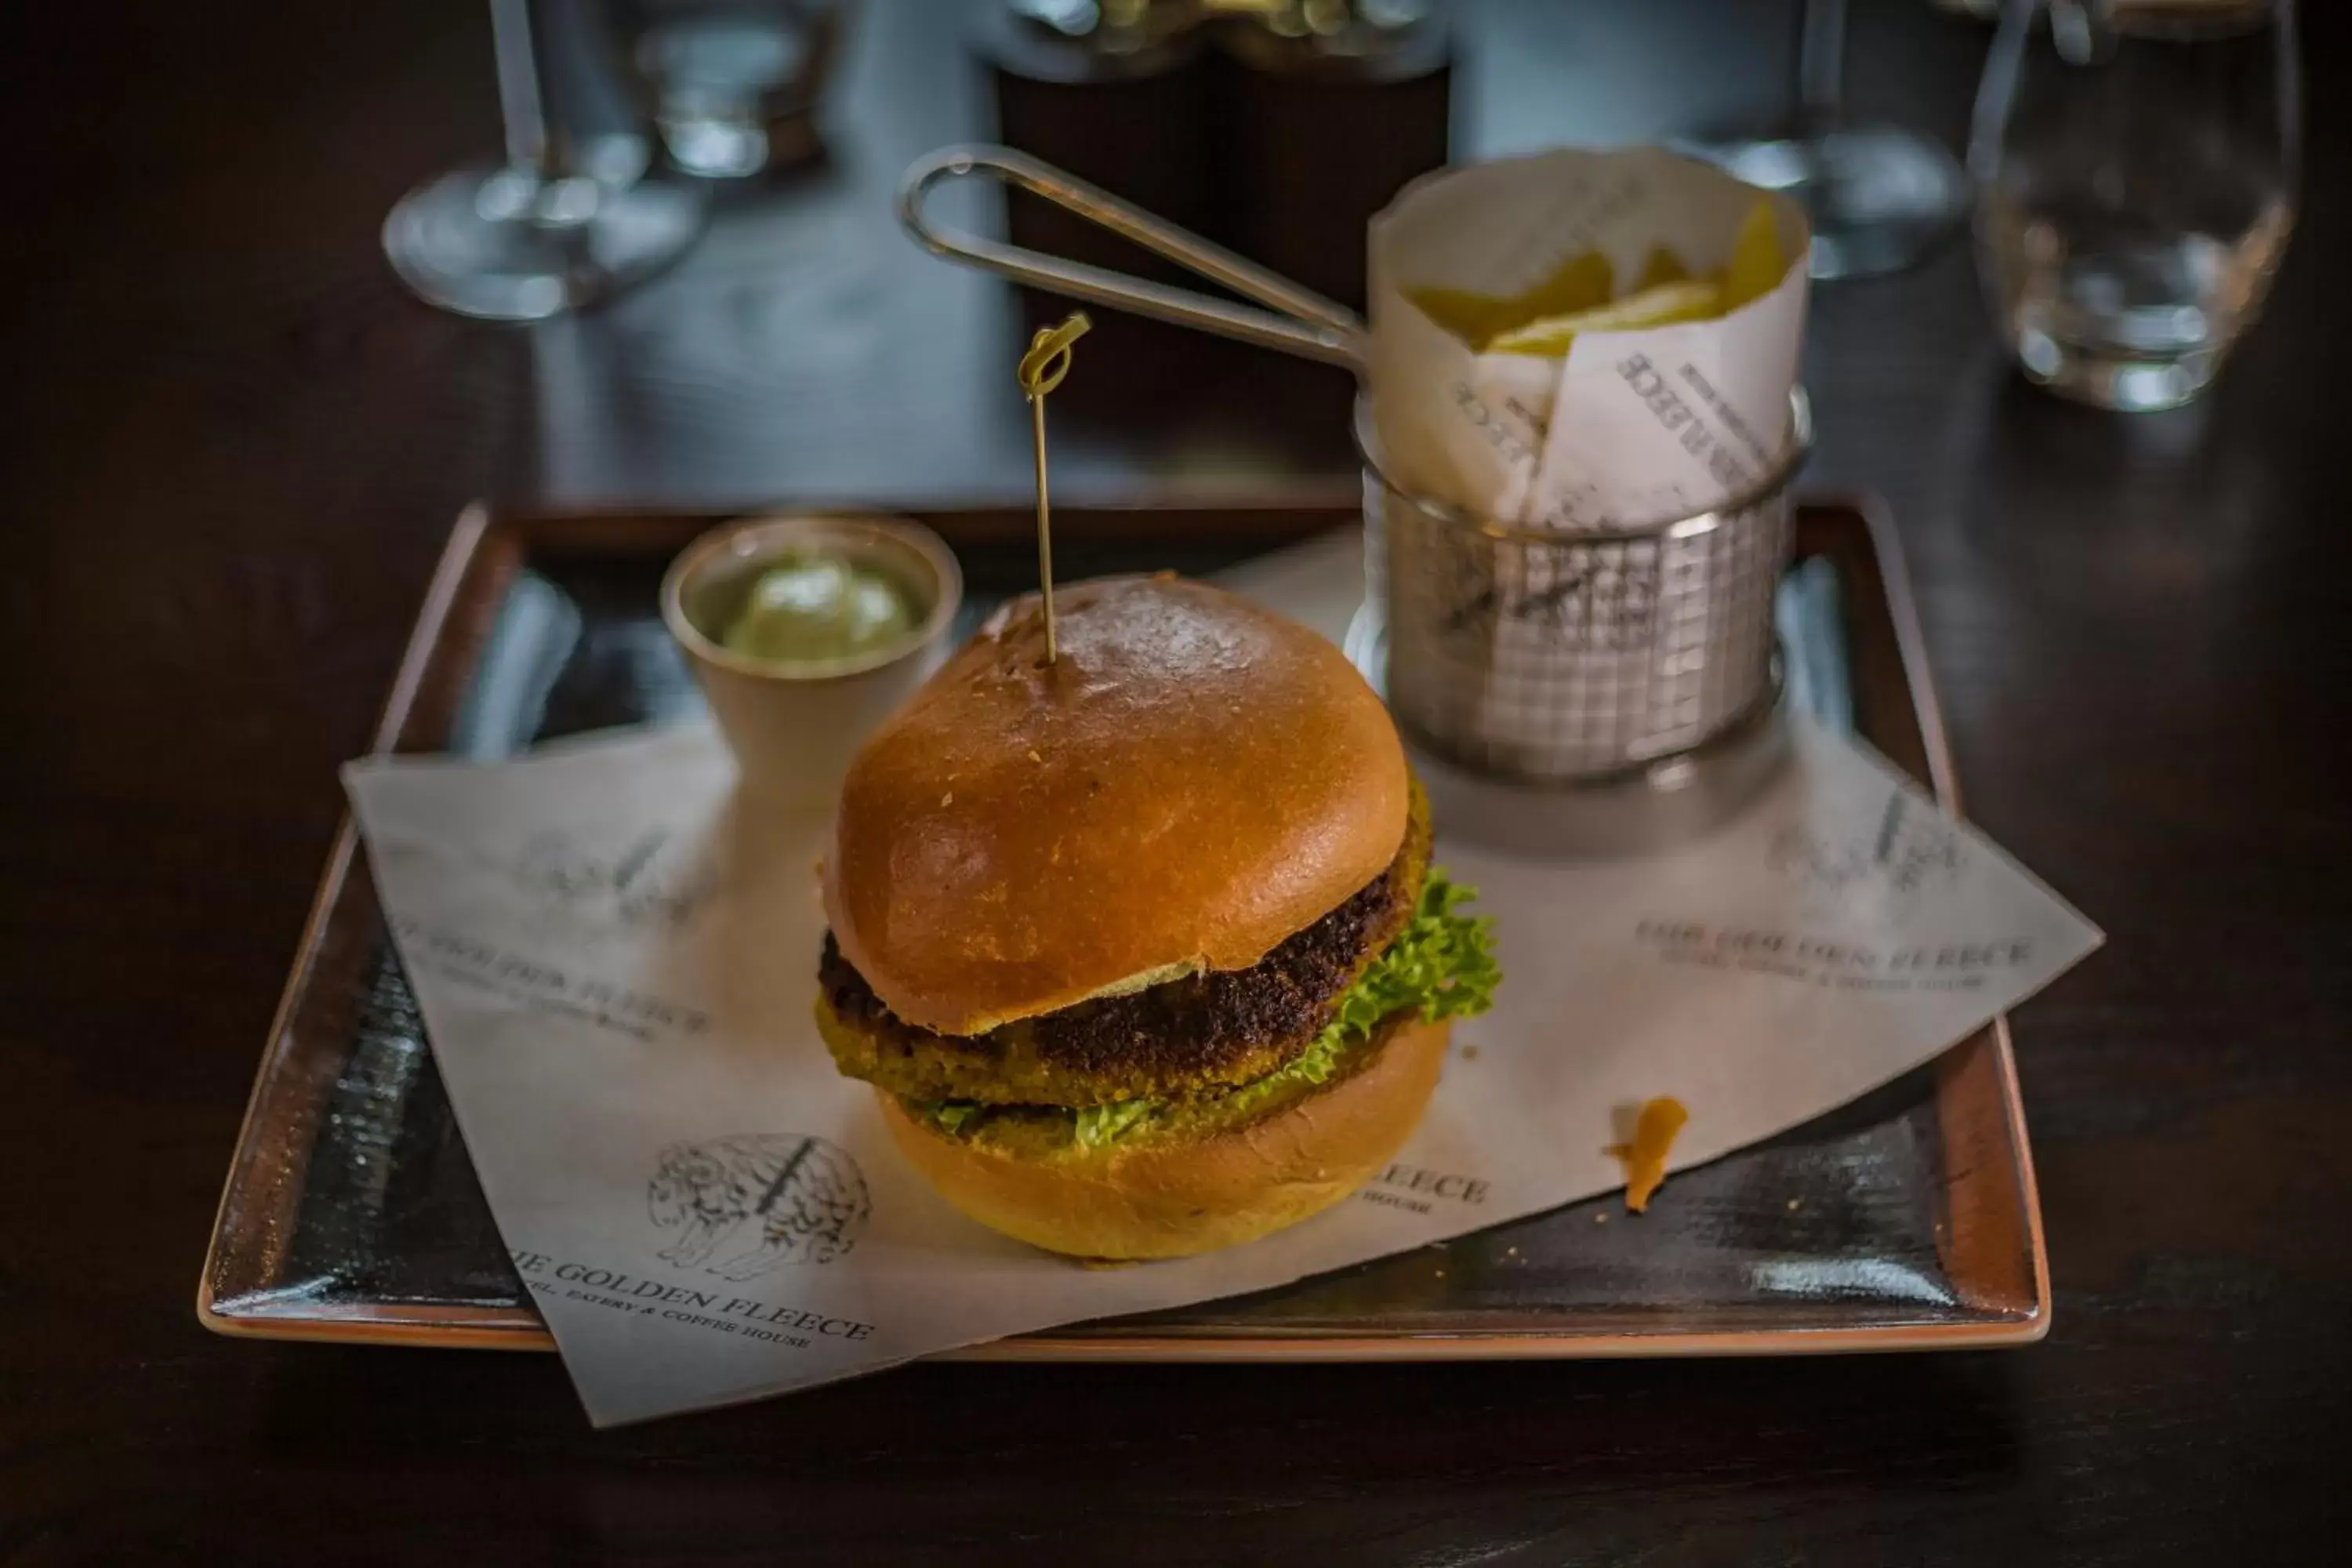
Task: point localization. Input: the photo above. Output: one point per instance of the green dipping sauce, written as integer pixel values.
(808, 609)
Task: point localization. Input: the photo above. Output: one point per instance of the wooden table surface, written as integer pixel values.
(231, 449)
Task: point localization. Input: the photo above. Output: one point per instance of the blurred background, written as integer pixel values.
(235, 161)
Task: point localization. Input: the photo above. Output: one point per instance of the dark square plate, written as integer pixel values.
(1905, 1220)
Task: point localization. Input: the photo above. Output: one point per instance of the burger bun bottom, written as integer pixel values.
(1172, 1197)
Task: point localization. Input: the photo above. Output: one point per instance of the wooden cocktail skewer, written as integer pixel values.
(1042, 370)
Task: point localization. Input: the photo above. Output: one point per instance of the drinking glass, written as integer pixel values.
(738, 81)
(1878, 196)
(2136, 163)
(563, 222)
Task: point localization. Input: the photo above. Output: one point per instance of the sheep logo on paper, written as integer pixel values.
(648, 881)
(757, 1201)
(1880, 874)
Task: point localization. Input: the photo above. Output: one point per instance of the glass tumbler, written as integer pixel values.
(2136, 165)
(1879, 196)
(737, 82)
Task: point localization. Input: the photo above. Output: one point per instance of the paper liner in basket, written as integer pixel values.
(1629, 425)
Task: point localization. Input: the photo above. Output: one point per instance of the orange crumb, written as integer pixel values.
(1644, 1158)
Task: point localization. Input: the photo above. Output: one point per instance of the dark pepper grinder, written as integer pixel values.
(1116, 94)
(1328, 108)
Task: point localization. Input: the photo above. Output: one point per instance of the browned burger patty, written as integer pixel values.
(1203, 1032)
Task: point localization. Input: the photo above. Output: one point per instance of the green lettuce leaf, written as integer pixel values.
(1104, 1123)
(1442, 967)
(952, 1114)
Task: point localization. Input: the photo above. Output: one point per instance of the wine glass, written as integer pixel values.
(2137, 170)
(561, 223)
(1879, 196)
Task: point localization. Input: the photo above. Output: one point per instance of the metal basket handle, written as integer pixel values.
(1300, 320)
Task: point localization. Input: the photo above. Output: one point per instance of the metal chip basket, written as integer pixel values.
(1518, 655)
(1553, 658)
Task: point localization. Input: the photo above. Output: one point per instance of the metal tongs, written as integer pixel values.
(1299, 321)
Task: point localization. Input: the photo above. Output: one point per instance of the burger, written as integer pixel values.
(1141, 946)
